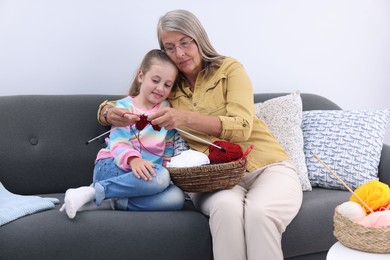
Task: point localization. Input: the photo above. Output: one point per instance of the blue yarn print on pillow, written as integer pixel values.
(348, 141)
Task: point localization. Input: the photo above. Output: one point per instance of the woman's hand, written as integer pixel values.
(171, 118)
(168, 117)
(120, 117)
(142, 168)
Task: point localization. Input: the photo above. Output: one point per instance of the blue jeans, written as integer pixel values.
(133, 194)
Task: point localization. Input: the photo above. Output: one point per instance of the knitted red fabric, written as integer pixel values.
(144, 122)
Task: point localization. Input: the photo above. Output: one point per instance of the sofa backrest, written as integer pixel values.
(43, 139)
(309, 101)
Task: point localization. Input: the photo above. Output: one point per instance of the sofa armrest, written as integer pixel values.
(384, 165)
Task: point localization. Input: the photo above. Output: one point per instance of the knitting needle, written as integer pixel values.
(202, 140)
(342, 182)
(198, 138)
(93, 139)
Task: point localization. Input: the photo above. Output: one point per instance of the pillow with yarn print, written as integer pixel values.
(283, 115)
(348, 142)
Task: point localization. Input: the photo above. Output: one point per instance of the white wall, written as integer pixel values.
(335, 48)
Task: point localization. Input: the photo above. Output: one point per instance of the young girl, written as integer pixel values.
(129, 172)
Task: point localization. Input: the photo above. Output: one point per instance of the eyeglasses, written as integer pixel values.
(184, 44)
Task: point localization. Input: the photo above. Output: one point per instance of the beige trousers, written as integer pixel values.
(248, 220)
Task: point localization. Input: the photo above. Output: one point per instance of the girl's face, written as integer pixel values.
(183, 50)
(155, 84)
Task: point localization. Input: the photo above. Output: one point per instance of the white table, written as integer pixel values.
(340, 252)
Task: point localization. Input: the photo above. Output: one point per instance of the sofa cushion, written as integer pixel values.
(348, 142)
(311, 231)
(283, 115)
(108, 234)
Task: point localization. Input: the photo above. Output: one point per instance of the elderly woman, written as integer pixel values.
(213, 100)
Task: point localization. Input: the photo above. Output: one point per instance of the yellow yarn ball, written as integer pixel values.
(374, 193)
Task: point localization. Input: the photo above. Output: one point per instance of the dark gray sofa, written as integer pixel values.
(43, 152)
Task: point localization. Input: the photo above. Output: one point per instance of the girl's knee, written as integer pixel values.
(176, 197)
(162, 176)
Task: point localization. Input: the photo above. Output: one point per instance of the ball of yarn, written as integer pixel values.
(351, 210)
(189, 158)
(374, 193)
(376, 219)
(232, 152)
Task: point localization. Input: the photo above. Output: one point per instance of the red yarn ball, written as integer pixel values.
(232, 152)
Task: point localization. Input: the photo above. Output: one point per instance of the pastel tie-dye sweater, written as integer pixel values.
(149, 144)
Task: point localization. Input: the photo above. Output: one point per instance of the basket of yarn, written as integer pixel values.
(363, 222)
(226, 168)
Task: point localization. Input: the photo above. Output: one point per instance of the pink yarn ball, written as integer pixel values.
(376, 219)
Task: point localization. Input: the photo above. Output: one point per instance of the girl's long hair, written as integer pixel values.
(146, 63)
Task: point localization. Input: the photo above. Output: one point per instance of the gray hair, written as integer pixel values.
(185, 22)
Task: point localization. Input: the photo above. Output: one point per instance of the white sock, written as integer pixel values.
(76, 198)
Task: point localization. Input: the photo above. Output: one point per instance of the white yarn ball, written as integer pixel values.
(189, 158)
(352, 210)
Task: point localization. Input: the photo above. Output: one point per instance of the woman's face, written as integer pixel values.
(184, 52)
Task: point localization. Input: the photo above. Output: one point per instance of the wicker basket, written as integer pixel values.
(359, 237)
(208, 178)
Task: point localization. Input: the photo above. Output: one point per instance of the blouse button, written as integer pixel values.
(244, 125)
(195, 104)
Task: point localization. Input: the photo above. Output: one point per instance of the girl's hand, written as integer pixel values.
(120, 117)
(142, 168)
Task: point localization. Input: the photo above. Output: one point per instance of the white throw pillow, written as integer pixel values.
(348, 142)
(179, 144)
(283, 115)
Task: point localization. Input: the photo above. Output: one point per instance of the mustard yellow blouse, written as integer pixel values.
(228, 94)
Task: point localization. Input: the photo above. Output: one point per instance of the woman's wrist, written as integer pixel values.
(104, 114)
